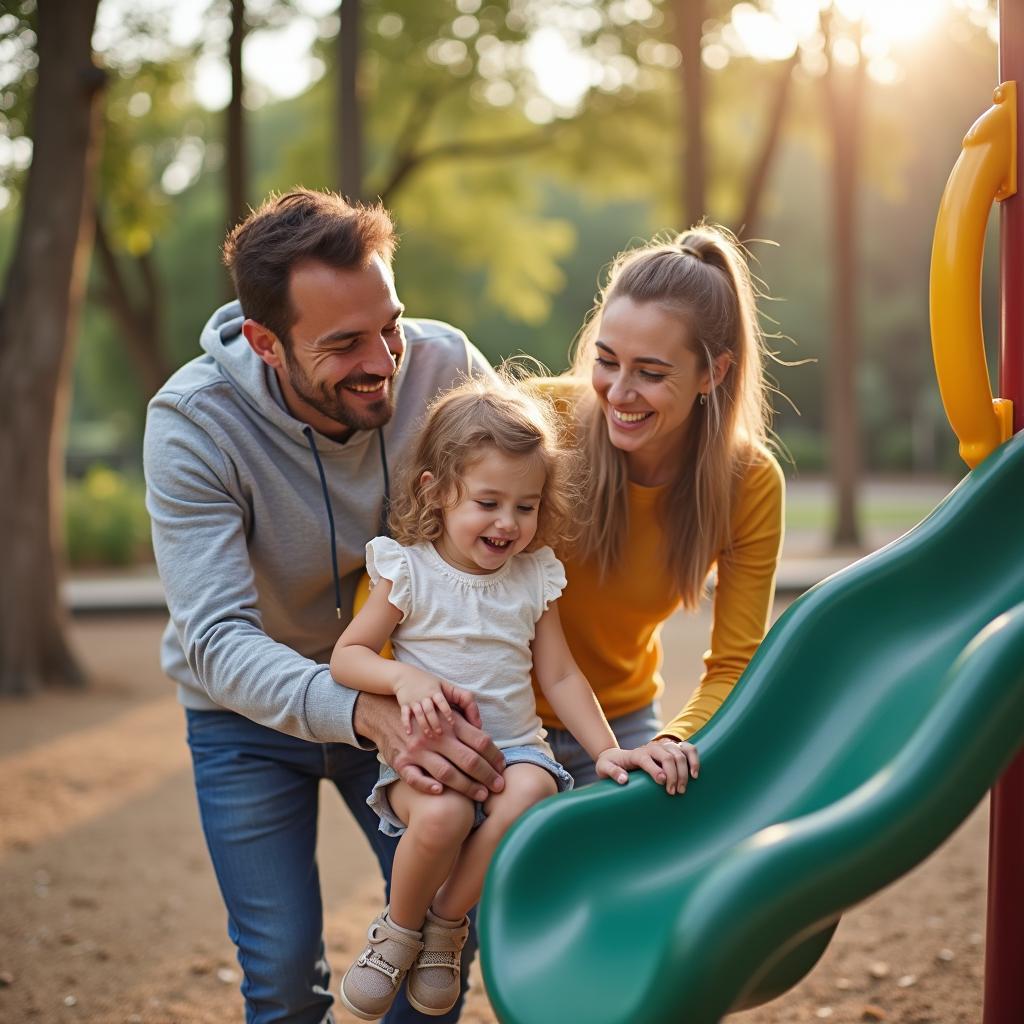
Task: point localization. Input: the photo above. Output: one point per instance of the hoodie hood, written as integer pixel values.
(222, 340)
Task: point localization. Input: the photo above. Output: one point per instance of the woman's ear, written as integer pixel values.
(720, 367)
(426, 478)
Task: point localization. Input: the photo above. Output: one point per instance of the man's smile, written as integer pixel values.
(367, 388)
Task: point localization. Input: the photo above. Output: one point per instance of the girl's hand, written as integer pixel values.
(426, 699)
(612, 764)
(670, 763)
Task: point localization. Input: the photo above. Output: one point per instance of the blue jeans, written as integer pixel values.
(632, 730)
(258, 795)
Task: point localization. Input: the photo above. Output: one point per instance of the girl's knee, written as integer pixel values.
(437, 821)
(525, 785)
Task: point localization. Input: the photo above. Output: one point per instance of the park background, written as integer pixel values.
(520, 145)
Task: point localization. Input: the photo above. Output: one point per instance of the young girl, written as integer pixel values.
(466, 592)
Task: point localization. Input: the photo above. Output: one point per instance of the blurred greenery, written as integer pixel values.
(105, 519)
(510, 247)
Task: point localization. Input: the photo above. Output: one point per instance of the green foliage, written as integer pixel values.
(508, 243)
(806, 448)
(18, 63)
(453, 149)
(147, 128)
(105, 519)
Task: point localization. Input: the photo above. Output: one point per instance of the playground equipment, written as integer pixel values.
(873, 718)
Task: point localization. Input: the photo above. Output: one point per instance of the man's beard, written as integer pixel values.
(335, 404)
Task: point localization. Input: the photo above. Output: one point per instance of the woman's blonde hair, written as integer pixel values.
(462, 425)
(702, 277)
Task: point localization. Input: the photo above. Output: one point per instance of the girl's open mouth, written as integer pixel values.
(495, 543)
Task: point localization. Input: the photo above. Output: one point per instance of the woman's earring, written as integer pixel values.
(703, 398)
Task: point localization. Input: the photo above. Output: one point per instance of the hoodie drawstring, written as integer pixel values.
(385, 505)
(382, 519)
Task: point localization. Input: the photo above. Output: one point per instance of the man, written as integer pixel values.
(267, 464)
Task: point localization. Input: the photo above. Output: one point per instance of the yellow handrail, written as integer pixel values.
(985, 171)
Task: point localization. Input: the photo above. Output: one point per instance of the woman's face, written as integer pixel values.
(647, 377)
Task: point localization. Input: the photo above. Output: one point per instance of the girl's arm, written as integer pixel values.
(566, 688)
(356, 658)
(356, 663)
(573, 701)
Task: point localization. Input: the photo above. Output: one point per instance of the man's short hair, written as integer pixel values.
(290, 229)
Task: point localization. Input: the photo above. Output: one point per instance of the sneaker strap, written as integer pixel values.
(408, 948)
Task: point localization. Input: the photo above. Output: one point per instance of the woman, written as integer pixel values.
(667, 402)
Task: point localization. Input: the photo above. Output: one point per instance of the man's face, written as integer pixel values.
(345, 348)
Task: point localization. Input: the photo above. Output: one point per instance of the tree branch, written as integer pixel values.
(416, 122)
(769, 144)
(689, 22)
(139, 329)
(481, 149)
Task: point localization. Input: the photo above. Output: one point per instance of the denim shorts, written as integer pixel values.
(392, 825)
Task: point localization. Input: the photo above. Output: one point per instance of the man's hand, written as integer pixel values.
(462, 758)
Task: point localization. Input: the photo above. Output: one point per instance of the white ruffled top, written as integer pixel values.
(474, 630)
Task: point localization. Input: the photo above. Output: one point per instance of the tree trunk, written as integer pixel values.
(138, 319)
(237, 156)
(689, 18)
(38, 322)
(747, 224)
(845, 101)
(350, 115)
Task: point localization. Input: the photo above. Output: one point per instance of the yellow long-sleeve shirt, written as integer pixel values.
(613, 626)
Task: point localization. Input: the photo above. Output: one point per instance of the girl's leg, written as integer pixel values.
(355, 773)
(437, 826)
(525, 785)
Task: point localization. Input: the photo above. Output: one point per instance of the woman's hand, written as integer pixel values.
(669, 762)
(425, 698)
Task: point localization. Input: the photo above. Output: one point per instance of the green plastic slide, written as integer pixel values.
(873, 718)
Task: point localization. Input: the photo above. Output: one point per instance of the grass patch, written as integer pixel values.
(813, 513)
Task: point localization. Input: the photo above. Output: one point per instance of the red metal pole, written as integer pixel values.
(1004, 941)
(1004, 946)
(1011, 224)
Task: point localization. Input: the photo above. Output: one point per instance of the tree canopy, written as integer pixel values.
(511, 190)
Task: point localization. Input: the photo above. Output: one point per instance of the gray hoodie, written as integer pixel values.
(240, 525)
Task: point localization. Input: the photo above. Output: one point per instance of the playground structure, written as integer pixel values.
(873, 718)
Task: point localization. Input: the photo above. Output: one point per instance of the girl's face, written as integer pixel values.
(648, 379)
(496, 515)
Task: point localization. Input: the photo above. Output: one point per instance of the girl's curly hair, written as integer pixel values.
(475, 416)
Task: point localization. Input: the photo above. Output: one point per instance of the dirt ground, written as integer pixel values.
(109, 912)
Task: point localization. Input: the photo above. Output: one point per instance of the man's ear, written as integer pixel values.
(264, 342)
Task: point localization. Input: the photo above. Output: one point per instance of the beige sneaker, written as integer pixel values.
(372, 982)
(435, 981)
